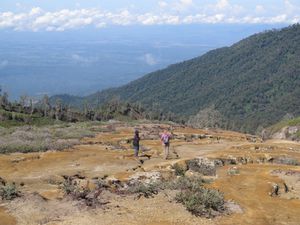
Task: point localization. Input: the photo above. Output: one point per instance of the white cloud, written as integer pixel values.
(83, 60)
(149, 59)
(226, 7)
(37, 19)
(35, 11)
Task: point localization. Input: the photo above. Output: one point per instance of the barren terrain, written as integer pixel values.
(250, 169)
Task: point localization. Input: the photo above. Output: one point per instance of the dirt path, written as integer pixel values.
(185, 151)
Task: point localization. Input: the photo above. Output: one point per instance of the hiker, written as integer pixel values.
(136, 143)
(165, 139)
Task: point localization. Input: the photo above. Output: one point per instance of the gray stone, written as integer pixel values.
(203, 165)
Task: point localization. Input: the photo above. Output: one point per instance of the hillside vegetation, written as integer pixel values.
(285, 129)
(253, 83)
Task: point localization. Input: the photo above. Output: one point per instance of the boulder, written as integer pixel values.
(202, 165)
(182, 164)
(112, 180)
(232, 160)
(168, 175)
(189, 173)
(218, 163)
(52, 194)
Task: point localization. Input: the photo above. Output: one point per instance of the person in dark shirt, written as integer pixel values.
(136, 143)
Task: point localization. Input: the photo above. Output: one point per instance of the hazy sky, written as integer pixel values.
(60, 15)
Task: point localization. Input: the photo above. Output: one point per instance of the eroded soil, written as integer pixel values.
(259, 166)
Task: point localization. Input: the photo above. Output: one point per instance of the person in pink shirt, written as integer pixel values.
(165, 139)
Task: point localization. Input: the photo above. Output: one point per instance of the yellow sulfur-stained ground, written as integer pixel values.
(109, 153)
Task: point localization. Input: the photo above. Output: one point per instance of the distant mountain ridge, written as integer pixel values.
(253, 83)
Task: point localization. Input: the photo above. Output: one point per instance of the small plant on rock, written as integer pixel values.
(68, 186)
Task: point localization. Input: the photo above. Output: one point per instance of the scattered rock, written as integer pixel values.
(252, 138)
(140, 169)
(286, 188)
(17, 160)
(233, 207)
(52, 194)
(76, 176)
(182, 164)
(233, 171)
(189, 173)
(274, 190)
(23, 159)
(233, 160)
(2, 181)
(145, 177)
(167, 174)
(269, 158)
(55, 179)
(112, 180)
(202, 165)
(230, 160)
(179, 136)
(218, 163)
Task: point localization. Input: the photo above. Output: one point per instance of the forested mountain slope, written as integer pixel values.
(253, 83)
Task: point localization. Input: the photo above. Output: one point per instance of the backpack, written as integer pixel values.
(165, 138)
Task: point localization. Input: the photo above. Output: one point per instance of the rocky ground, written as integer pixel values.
(260, 180)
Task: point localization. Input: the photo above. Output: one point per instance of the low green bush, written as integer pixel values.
(9, 192)
(201, 201)
(186, 183)
(179, 170)
(146, 190)
(197, 199)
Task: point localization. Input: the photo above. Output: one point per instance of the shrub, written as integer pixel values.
(186, 183)
(69, 187)
(146, 190)
(201, 201)
(9, 192)
(179, 170)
